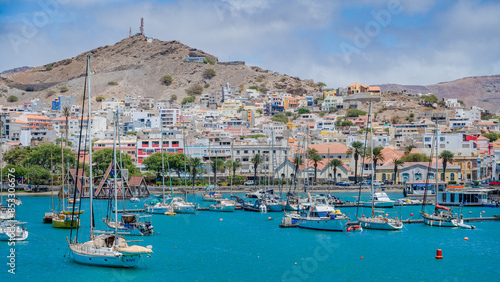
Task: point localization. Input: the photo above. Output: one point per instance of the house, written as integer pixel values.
(357, 88)
(334, 102)
(417, 171)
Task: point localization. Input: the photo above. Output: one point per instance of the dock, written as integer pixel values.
(131, 211)
(466, 219)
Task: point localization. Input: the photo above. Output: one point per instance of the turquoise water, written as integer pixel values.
(247, 246)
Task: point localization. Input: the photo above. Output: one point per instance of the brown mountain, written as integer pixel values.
(134, 66)
(482, 91)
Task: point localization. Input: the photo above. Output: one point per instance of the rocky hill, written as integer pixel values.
(482, 91)
(134, 66)
(19, 69)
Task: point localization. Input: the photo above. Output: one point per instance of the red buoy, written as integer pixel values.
(470, 212)
(411, 214)
(466, 238)
(361, 257)
(439, 254)
(483, 211)
(386, 215)
(363, 216)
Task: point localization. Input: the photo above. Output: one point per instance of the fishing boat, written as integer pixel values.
(319, 215)
(377, 220)
(223, 206)
(179, 205)
(47, 218)
(13, 230)
(109, 250)
(67, 219)
(256, 206)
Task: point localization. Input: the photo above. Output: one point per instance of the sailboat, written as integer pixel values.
(319, 215)
(109, 250)
(130, 224)
(47, 218)
(442, 216)
(6, 211)
(210, 195)
(380, 221)
(13, 230)
(68, 217)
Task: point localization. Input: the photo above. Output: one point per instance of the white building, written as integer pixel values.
(332, 102)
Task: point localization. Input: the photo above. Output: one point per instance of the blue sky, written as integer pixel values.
(337, 42)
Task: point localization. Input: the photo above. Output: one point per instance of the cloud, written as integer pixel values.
(428, 42)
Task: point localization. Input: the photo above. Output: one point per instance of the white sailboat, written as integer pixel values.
(179, 205)
(223, 205)
(378, 199)
(319, 215)
(109, 250)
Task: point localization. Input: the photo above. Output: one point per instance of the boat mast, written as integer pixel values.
(114, 176)
(91, 189)
(121, 163)
(272, 158)
(162, 163)
(371, 159)
(437, 158)
(184, 153)
(51, 179)
(232, 166)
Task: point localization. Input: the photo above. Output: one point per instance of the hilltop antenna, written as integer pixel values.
(142, 26)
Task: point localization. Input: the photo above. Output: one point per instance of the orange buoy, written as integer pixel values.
(411, 214)
(386, 215)
(221, 219)
(466, 238)
(439, 254)
(176, 247)
(269, 218)
(361, 257)
(470, 212)
(483, 211)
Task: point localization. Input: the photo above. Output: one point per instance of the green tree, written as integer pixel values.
(355, 150)
(16, 170)
(431, 99)
(256, 161)
(12, 99)
(187, 100)
(408, 149)
(316, 159)
(194, 90)
(447, 158)
(397, 163)
(376, 157)
(355, 113)
(321, 85)
(492, 136)
(37, 174)
(233, 165)
(209, 73)
(176, 163)
(99, 98)
(194, 164)
(104, 157)
(335, 163)
(16, 156)
(304, 111)
(280, 118)
(166, 80)
(173, 97)
(64, 89)
(153, 162)
(41, 156)
(217, 164)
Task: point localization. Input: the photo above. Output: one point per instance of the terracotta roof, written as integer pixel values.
(333, 148)
(482, 138)
(37, 117)
(135, 181)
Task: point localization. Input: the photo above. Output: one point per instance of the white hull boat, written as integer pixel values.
(13, 230)
(380, 222)
(181, 206)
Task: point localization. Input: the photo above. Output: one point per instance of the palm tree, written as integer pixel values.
(67, 113)
(256, 160)
(315, 158)
(297, 162)
(216, 164)
(377, 156)
(233, 165)
(408, 149)
(335, 163)
(397, 163)
(355, 150)
(447, 158)
(194, 163)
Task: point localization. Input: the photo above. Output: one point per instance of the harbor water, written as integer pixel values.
(248, 246)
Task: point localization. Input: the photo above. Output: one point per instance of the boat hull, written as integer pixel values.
(47, 219)
(380, 225)
(65, 224)
(105, 260)
(185, 209)
(440, 222)
(323, 224)
(157, 209)
(222, 209)
(275, 208)
(379, 204)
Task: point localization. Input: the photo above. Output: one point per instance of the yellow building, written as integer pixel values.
(356, 88)
(290, 103)
(230, 108)
(417, 171)
(329, 93)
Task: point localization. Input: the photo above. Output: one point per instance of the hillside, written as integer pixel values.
(482, 91)
(137, 65)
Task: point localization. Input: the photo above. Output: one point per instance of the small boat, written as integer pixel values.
(157, 206)
(73, 200)
(132, 224)
(319, 215)
(223, 206)
(379, 200)
(13, 230)
(66, 219)
(461, 224)
(255, 195)
(380, 222)
(442, 217)
(273, 205)
(6, 213)
(180, 206)
(210, 195)
(238, 202)
(47, 218)
(256, 206)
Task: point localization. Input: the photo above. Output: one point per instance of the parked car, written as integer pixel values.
(377, 183)
(494, 183)
(329, 181)
(343, 184)
(249, 183)
(366, 182)
(388, 182)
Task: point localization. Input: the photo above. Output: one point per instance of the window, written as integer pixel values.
(442, 176)
(427, 139)
(418, 176)
(443, 199)
(452, 176)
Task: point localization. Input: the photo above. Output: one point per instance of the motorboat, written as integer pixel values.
(223, 206)
(181, 206)
(132, 224)
(13, 230)
(319, 215)
(442, 217)
(210, 195)
(379, 200)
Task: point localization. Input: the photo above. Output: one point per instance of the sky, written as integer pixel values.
(336, 42)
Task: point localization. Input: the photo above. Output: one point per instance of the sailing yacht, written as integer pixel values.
(378, 199)
(179, 205)
(442, 216)
(109, 250)
(210, 195)
(6, 213)
(319, 215)
(223, 205)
